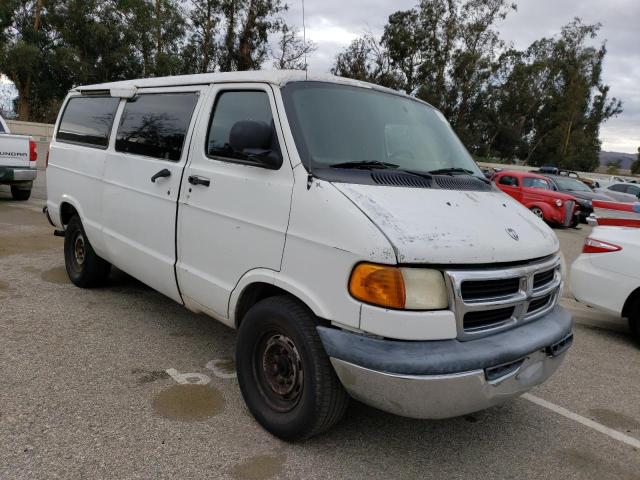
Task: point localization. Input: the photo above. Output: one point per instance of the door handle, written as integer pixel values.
(196, 180)
(162, 173)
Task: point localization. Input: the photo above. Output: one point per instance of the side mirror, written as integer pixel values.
(257, 142)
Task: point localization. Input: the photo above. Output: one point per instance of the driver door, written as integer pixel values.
(233, 212)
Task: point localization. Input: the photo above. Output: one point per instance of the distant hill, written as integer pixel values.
(626, 159)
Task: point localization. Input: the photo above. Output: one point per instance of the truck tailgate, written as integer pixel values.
(14, 151)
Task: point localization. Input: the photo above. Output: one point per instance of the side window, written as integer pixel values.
(633, 190)
(617, 188)
(156, 124)
(88, 121)
(509, 181)
(535, 183)
(233, 111)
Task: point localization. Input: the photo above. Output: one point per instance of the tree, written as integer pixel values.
(613, 167)
(292, 50)
(365, 60)
(201, 52)
(635, 166)
(248, 24)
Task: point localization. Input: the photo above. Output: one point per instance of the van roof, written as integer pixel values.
(275, 77)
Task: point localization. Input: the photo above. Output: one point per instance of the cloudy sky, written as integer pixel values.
(332, 24)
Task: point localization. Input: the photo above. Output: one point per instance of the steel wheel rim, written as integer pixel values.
(79, 249)
(279, 370)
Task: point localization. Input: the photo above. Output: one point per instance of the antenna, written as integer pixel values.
(304, 43)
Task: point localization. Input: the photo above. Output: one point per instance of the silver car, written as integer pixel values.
(622, 192)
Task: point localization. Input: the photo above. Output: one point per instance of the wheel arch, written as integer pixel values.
(260, 284)
(629, 302)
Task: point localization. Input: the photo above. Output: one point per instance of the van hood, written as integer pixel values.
(453, 227)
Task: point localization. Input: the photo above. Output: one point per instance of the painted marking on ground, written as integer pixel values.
(185, 378)
(616, 435)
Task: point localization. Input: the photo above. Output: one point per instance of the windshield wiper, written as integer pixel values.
(365, 164)
(451, 171)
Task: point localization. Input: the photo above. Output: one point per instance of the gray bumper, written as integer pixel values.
(14, 174)
(448, 378)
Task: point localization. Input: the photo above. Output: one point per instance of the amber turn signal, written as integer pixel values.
(378, 284)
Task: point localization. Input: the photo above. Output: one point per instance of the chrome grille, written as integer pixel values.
(568, 212)
(488, 300)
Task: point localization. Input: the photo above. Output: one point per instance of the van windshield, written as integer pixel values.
(343, 126)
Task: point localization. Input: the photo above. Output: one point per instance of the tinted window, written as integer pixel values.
(535, 183)
(510, 181)
(232, 107)
(617, 188)
(633, 189)
(88, 120)
(155, 125)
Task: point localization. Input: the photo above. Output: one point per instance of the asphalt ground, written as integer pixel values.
(85, 392)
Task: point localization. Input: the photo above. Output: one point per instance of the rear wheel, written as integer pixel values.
(84, 267)
(19, 193)
(285, 376)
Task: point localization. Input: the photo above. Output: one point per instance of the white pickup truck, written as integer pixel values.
(17, 162)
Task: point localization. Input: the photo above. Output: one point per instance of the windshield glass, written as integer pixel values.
(571, 184)
(337, 124)
(534, 182)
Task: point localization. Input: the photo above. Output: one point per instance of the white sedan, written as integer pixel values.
(606, 276)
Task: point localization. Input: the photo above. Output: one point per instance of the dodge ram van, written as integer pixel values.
(341, 228)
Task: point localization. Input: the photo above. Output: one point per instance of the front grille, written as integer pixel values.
(487, 318)
(538, 303)
(474, 290)
(542, 279)
(489, 300)
(568, 212)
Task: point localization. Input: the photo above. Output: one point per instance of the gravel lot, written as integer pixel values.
(86, 394)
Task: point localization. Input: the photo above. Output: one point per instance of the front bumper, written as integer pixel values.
(16, 174)
(448, 378)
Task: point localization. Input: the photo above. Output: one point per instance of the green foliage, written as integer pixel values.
(48, 46)
(543, 105)
(613, 167)
(635, 166)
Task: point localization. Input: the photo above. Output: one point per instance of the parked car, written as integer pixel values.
(622, 192)
(607, 274)
(341, 227)
(582, 193)
(536, 193)
(549, 169)
(17, 162)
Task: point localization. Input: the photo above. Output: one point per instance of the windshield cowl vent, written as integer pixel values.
(468, 183)
(397, 179)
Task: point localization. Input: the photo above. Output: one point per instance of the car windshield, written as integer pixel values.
(344, 126)
(571, 184)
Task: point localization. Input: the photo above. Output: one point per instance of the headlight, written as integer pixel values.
(393, 287)
(559, 202)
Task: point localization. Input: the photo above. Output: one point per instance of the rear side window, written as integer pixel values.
(507, 180)
(88, 121)
(617, 188)
(232, 107)
(156, 124)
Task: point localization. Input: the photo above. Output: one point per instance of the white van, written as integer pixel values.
(341, 227)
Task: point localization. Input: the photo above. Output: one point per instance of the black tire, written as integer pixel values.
(84, 267)
(19, 193)
(634, 319)
(278, 344)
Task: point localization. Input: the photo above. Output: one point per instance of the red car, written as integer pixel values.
(537, 194)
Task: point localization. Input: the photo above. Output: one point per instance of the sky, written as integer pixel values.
(333, 24)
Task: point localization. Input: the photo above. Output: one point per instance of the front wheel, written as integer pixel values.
(84, 267)
(285, 376)
(537, 211)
